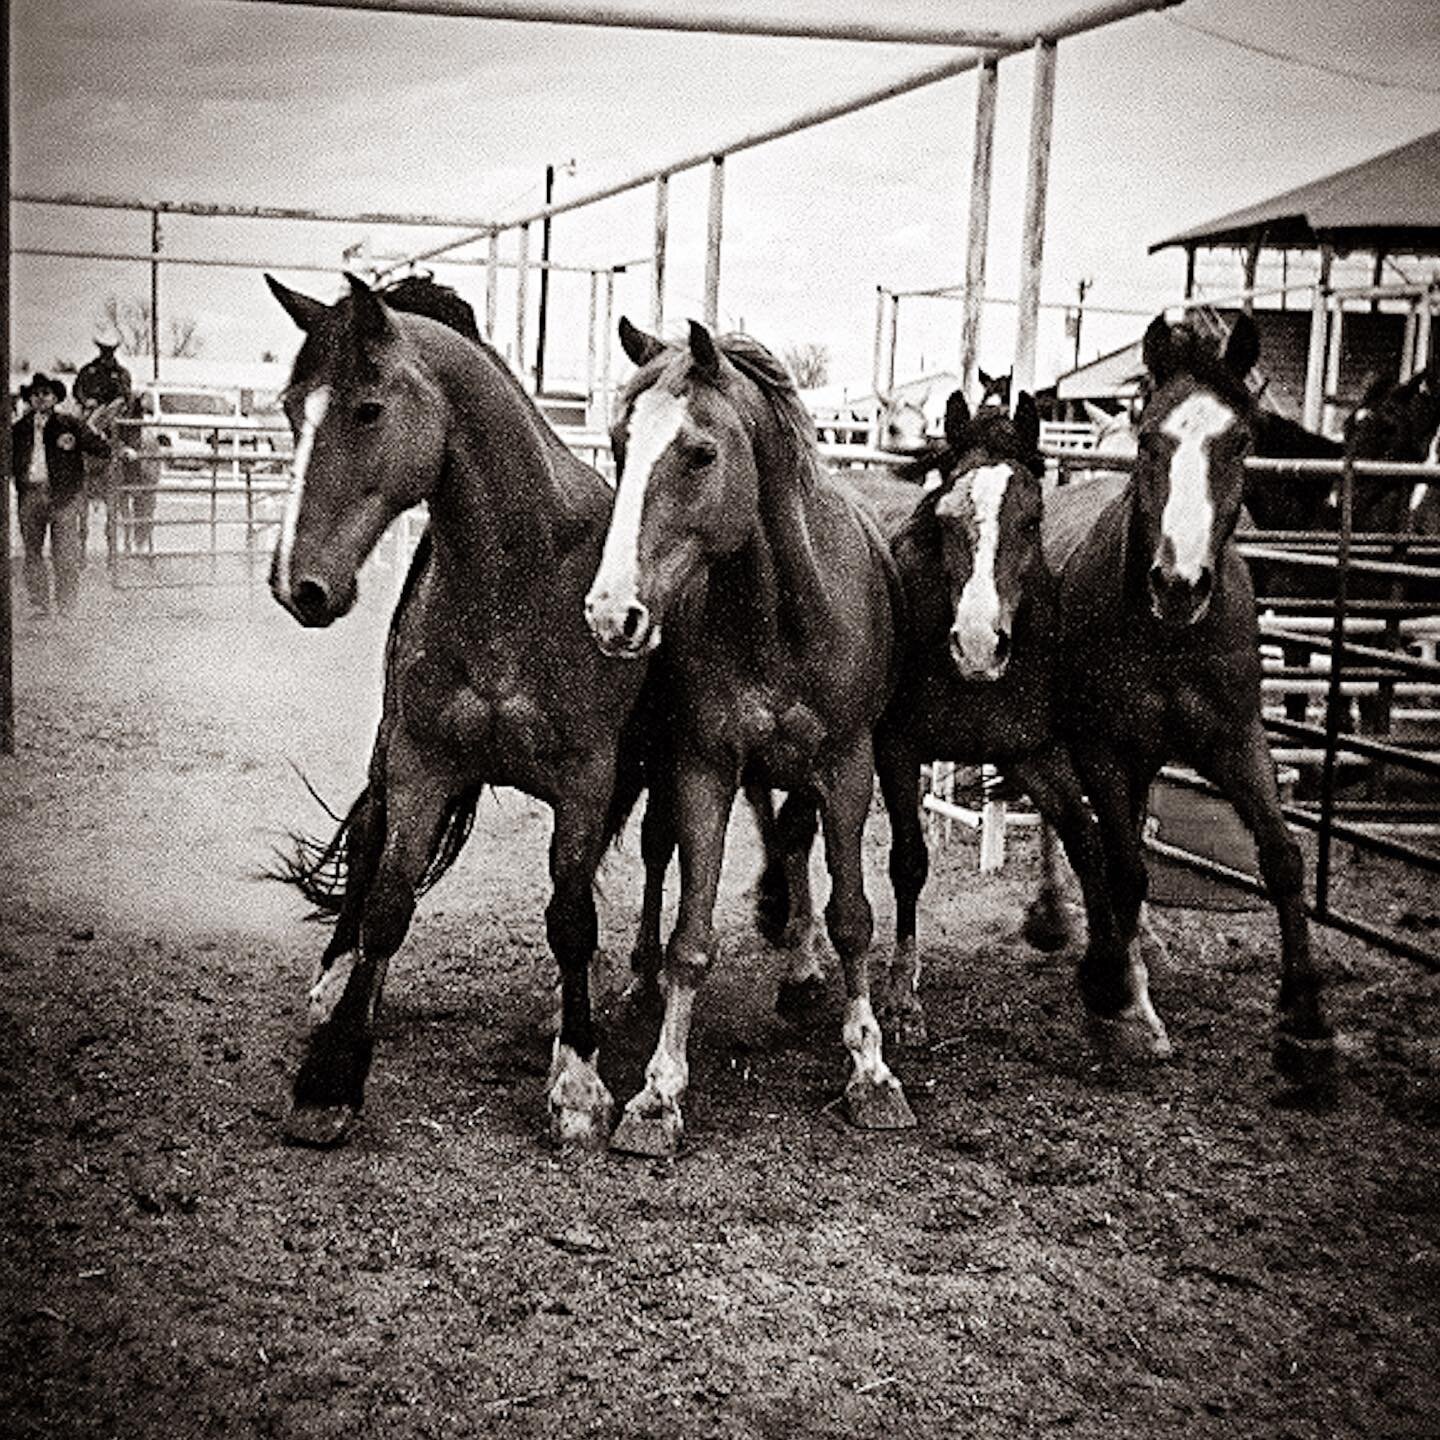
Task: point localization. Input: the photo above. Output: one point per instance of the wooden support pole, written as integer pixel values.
(154, 294)
(1032, 243)
(607, 326)
(590, 343)
(1314, 402)
(657, 269)
(979, 225)
(522, 300)
(1252, 265)
(492, 285)
(892, 344)
(714, 230)
(7, 622)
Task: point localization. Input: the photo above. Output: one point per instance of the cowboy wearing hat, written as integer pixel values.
(46, 456)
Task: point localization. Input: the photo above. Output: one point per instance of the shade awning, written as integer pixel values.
(1390, 202)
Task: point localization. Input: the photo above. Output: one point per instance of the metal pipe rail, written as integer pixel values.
(1390, 659)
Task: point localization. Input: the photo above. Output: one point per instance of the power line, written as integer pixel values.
(1287, 58)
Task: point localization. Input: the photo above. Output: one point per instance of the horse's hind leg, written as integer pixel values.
(580, 1104)
(803, 987)
(344, 1001)
(1114, 990)
(772, 897)
(901, 1013)
(1304, 1048)
(1047, 925)
(874, 1098)
(657, 845)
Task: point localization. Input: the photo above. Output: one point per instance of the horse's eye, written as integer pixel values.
(367, 412)
(700, 456)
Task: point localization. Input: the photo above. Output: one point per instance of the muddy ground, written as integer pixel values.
(1057, 1248)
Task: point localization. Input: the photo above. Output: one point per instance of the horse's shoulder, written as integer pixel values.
(1072, 514)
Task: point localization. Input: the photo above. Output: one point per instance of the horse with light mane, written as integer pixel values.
(775, 603)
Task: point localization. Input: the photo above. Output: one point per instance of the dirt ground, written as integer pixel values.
(1058, 1247)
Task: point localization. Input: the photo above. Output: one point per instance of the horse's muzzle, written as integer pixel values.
(1178, 602)
(622, 631)
(980, 662)
(312, 601)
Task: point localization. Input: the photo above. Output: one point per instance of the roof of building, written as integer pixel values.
(1390, 202)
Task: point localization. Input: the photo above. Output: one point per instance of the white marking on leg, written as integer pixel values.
(863, 1041)
(329, 985)
(580, 1103)
(316, 404)
(655, 421)
(1189, 512)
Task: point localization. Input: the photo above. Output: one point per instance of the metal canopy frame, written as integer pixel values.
(984, 50)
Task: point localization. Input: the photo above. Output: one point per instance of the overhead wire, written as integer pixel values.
(1289, 58)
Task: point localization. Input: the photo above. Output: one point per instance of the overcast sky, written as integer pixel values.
(1157, 126)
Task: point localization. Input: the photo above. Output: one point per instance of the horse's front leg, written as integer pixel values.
(580, 1105)
(1242, 768)
(1113, 981)
(898, 766)
(1117, 793)
(652, 1123)
(344, 1000)
(874, 1098)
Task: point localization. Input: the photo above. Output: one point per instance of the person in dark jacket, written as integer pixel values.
(47, 457)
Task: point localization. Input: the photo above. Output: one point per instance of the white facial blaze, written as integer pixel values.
(1189, 513)
(977, 617)
(655, 421)
(316, 404)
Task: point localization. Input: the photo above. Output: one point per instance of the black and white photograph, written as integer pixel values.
(720, 720)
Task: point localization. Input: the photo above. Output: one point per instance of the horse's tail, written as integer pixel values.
(321, 869)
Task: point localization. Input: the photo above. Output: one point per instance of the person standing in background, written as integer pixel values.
(47, 453)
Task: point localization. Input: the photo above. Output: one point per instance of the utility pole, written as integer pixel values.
(569, 168)
(544, 285)
(1082, 288)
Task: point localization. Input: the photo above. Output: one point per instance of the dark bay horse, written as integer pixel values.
(777, 602)
(977, 685)
(491, 677)
(1159, 651)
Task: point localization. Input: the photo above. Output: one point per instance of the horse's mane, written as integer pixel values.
(423, 295)
(1195, 353)
(770, 377)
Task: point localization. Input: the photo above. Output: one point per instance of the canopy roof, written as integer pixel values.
(1390, 202)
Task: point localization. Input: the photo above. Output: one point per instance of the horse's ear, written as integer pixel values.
(640, 347)
(1158, 350)
(1027, 421)
(986, 381)
(702, 349)
(1242, 349)
(304, 311)
(1097, 417)
(372, 320)
(957, 421)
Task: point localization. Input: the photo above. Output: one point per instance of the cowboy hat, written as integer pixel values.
(41, 381)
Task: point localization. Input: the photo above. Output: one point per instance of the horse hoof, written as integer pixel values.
(1047, 926)
(655, 1136)
(1130, 1035)
(882, 1105)
(579, 1129)
(320, 1127)
(800, 1000)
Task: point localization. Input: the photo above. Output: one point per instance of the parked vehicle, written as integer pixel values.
(232, 431)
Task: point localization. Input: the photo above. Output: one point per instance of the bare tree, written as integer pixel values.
(809, 363)
(130, 320)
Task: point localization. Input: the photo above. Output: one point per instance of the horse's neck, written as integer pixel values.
(500, 508)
